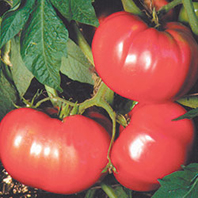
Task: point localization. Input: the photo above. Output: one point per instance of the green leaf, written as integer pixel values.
(189, 115)
(43, 44)
(8, 95)
(14, 20)
(180, 184)
(22, 77)
(189, 101)
(75, 65)
(78, 10)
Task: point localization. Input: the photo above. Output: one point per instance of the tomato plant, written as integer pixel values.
(142, 63)
(57, 156)
(157, 4)
(183, 17)
(60, 144)
(152, 145)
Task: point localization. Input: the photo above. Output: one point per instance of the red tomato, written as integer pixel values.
(152, 145)
(57, 156)
(143, 63)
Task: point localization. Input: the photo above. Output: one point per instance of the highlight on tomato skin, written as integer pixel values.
(152, 145)
(53, 155)
(149, 65)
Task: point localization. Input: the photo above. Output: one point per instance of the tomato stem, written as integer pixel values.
(193, 21)
(130, 6)
(166, 8)
(52, 93)
(99, 100)
(82, 43)
(86, 49)
(108, 190)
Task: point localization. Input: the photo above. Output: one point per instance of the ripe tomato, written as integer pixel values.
(57, 156)
(143, 63)
(183, 17)
(152, 145)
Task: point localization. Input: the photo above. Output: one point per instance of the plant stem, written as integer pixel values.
(108, 190)
(99, 100)
(52, 93)
(130, 6)
(86, 49)
(82, 43)
(188, 5)
(169, 6)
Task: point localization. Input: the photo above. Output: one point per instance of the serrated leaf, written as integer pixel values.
(180, 184)
(75, 65)
(189, 115)
(14, 20)
(8, 95)
(22, 77)
(78, 10)
(43, 43)
(189, 101)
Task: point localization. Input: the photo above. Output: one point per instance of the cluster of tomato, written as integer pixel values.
(153, 66)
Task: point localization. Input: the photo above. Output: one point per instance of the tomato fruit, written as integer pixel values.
(142, 63)
(183, 17)
(152, 145)
(62, 157)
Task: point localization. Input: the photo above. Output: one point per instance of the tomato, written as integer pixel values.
(183, 17)
(57, 156)
(152, 145)
(142, 63)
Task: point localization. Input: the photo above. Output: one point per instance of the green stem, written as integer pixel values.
(86, 49)
(82, 43)
(109, 96)
(130, 6)
(166, 8)
(41, 102)
(96, 100)
(99, 100)
(188, 5)
(108, 190)
(52, 93)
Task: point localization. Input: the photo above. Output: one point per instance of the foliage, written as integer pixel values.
(42, 52)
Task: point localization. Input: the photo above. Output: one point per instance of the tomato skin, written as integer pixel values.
(57, 156)
(152, 145)
(142, 63)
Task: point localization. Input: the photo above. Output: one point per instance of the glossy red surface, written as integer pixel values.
(142, 63)
(57, 156)
(152, 145)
